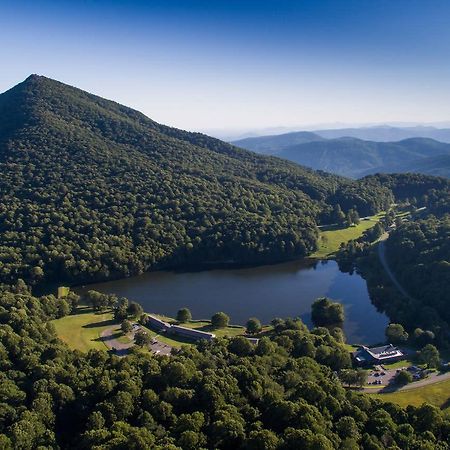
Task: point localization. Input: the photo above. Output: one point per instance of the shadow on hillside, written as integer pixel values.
(103, 323)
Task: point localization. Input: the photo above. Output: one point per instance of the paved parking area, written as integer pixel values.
(160, 348)
(381, 377)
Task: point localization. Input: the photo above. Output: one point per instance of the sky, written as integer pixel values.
(240, 64)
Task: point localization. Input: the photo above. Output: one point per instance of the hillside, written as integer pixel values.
(273, 145)
(91, 190)
(351, 157)
(438, 166)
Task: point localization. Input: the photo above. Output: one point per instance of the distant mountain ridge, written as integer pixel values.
(354, 157)
(388, 133)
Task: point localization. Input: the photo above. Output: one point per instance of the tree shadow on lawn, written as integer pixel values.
(103, 323)
(446, 404)
(110, 337)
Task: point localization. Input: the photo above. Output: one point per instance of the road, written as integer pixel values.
(385, 264)
(431, 379)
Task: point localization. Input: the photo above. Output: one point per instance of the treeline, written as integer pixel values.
(228, 394)
(418, 190)
(92, 190)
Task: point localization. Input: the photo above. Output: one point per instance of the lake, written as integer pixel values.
(265, 292)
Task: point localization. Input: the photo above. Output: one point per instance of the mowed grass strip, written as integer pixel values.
(331, 239)
(82, 331)
(437, 394)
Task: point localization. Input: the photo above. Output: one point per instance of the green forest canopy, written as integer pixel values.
(91, 190)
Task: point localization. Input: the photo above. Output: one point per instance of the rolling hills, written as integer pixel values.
(352, 157)
(91, 189)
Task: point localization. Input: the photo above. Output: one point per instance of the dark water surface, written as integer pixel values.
(282, 290)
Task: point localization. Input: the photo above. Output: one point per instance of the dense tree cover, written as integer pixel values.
(419, 253)
(325, 312)
(280, 394)
(420, 190)
(92, 190)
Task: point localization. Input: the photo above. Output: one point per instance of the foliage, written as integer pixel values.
(326, 312)
(396, 334)
(142, 338)
(92, 190)
(126, 326)
(429, 355)
(220, 320)
(403, 377)
(273, 396)
(184, 315)
(253, 325)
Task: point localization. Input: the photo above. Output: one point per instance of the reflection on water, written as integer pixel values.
(282, 290)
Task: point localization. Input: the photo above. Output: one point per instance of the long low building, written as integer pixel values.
(377, 355)
(190, 333)
(156, 323)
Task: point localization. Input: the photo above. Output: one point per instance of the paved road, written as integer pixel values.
(385, 264)
(431, 379)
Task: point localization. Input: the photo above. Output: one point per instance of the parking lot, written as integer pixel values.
(381, 377)
(159, 348)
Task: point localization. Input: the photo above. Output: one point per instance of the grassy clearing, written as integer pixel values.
(82, 331)
(331, 238)
(437, 394)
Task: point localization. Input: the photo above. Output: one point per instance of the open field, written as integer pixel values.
(331, 238)
(82, 331)
(437, 394)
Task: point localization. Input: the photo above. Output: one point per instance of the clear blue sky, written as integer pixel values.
(240, 63)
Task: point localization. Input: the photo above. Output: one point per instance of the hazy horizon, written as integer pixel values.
(241, 65)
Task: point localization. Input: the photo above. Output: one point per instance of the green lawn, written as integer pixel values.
(234, 330)
(202, 325)
(330, 239)
(437, 394)
(82, 331)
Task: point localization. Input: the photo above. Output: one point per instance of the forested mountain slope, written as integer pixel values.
(91, 189)
(353, 157)
(438, 166)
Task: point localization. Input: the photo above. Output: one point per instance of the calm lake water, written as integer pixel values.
(282, 290)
